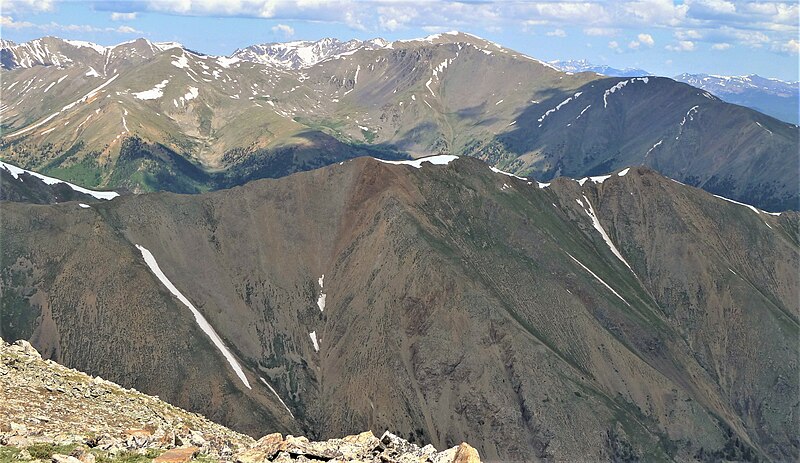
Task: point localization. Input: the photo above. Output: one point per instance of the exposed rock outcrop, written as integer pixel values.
(50, 412)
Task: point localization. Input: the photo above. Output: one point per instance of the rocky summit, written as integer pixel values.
(52, 413)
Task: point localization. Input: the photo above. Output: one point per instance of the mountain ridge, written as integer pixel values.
(449, 308)
(178, 120)
(774, 97)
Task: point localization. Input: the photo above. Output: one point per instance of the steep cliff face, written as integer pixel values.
(617, 317)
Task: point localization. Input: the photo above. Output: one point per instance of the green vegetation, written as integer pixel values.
(9, 454)
(126, 457)
(84, 172)
(369, 135)
(154, 167)
(46, 451)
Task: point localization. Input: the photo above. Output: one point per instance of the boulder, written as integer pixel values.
(181, 455)
(264, 450)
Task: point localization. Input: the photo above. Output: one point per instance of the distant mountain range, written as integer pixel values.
(301, 54)
(148, 116)
(777, 98)
(585, 66)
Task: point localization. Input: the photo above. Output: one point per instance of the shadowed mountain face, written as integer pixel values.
(628, 317)
(774, 97)
(146, 116)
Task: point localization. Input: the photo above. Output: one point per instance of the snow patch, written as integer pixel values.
(690, 114)
(16, 171)
(441, 160)
(597, 180)
(191, 94)
(313, 336)
(154, 93)
(550, 111)
(752, 208)
(428, 84)
(619, 86)
(653, 147)
(757, 123)
(81, 44)
(498, 171)
(198, 317)
(226, 62)
(180, 62)
(276, 395)
(84, 206)
(598, 279)
(322, 295)
(596, 224)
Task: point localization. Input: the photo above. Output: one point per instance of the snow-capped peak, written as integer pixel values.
(303, 53)
(82, 44)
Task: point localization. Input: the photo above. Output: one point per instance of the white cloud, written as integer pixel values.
(681, 45)
(392, 18)
(613, 45)
(711, 8)
(791, 47)
(646, 39)
(8, 21)
(720, 46)
(557, 33)
(571, 12)
(688, 34)
(641, 39)
(655, 12)
(600, 31)
(284, 29)
(26, 6)
(127, 30)
(123, 16)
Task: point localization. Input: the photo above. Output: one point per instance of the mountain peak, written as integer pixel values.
(582, 65)
(56, 51)
(452, 37)
(303, 53)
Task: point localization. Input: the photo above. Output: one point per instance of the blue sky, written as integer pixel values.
(664, 37)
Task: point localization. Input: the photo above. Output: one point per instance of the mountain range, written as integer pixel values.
(775, 97)
(441, 236)
(624, 316)
(582, 65)
(143, 116)
(778, 98)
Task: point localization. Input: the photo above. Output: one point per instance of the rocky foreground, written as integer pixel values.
(52, 413)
